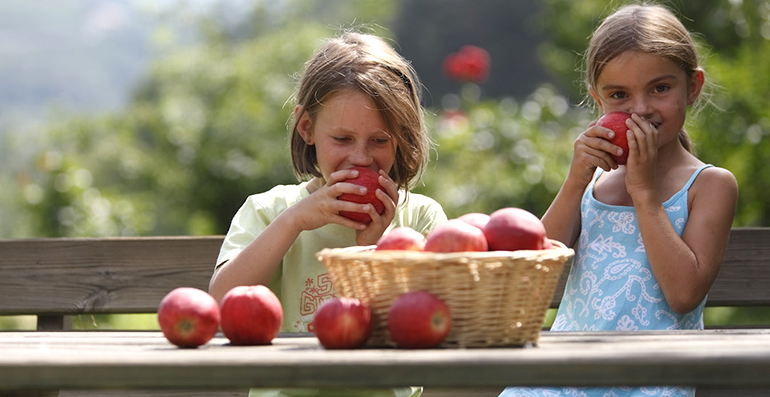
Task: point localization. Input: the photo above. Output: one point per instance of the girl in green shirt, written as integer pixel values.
(358, 105)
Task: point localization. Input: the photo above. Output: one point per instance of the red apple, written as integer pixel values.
(475, 219)
(401, 238)
(251, 315)
(188, 317)
(616, 121)
(370, 180)
(418, 320)
(511, 229)
(455, 236)
(343, 323)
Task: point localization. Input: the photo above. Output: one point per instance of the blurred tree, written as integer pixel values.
(508, 153)
(205, 129)
(429, 30)
(208, 126)
(736, 134)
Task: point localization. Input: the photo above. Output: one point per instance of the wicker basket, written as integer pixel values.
(496, 298)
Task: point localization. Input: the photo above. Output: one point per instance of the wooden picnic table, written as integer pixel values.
(144, 359)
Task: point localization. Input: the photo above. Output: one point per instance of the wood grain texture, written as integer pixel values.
(131, 275)
(131, 360)
(154, 393)
(57, 277)
(109, 275)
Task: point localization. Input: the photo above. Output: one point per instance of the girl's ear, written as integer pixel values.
(304, 124)
(696, 85)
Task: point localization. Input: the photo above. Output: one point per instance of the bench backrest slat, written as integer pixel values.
(110, 275)
(131, 275)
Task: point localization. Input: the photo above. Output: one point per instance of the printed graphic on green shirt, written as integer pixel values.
(315, 293)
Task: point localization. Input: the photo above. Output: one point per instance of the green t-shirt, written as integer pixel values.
(301, 282)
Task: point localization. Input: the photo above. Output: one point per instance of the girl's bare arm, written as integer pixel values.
(686, 267)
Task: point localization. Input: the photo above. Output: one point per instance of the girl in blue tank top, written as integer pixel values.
(650, 235)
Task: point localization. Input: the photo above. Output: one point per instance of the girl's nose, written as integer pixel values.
(360, 155)
(641, 107)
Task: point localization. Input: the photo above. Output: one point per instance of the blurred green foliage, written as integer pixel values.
(208, 126)
(508, 153)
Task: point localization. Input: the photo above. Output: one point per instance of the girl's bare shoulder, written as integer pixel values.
(718, 177)
(716, 182)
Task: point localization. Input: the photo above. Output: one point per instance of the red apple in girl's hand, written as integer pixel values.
(343, 323)
(251, 315)
(188, 317)
(401, 238)
(370, 180)
(616, 121)
(511, 229)
(456, 236)
(418, 320)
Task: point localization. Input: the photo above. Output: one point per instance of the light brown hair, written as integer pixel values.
(652, 29)
(366, 63)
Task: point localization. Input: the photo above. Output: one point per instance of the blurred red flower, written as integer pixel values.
(469, 64)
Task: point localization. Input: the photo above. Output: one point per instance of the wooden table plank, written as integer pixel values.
(111, 360)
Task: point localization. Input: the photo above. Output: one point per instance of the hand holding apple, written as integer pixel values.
(616, 121)
(343, 323)
(251, 315)
(370, 180)
(188, 317)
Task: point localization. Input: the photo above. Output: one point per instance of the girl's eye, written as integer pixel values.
(380, 140)
(618, 95)
(660, 88)
(341, 138)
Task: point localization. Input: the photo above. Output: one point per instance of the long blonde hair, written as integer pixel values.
(652, 29)
(366, 63)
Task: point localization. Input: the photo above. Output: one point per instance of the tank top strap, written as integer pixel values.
(595, 178)
(589, 192)
(695, 175)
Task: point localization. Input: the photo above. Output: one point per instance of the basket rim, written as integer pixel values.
(362, 252)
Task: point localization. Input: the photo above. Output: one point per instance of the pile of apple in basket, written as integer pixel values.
(476, 281)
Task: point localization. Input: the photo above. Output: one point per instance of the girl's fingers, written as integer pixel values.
(389, 187)
(341, 175)
(643, 137)
(595, 152)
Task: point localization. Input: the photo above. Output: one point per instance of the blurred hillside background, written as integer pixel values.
(135, 117)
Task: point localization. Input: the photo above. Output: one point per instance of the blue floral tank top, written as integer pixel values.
(611, 287)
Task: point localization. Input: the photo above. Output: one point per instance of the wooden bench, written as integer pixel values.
(55, 279)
